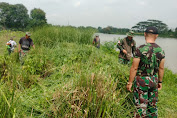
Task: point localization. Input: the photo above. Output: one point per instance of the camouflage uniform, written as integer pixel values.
(129, 46)
(22, 55)
(146, 80)
(97, 42)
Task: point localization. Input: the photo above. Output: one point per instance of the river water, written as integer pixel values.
(169, 45)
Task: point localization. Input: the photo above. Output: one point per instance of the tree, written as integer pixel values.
(4, 13)
(141, 26)
(38, 17)
(20, 17)
(99, 29)
(113, 30)
(175, 32)
(13, 16)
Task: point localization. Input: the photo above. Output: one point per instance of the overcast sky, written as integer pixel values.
(116, 13)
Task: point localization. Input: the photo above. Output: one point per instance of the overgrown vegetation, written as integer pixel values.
(67, 77)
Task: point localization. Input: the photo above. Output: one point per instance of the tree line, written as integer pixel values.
(16, 17)
(140, 27)
(113, 30)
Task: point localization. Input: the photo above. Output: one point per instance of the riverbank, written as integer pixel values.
(67, 77)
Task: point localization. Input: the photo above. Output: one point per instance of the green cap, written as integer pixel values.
(130, 33)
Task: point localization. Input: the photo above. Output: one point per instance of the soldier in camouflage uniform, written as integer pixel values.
(126, 46)
(147, 70)
(96, 41)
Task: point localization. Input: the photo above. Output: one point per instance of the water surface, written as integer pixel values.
(169, 45)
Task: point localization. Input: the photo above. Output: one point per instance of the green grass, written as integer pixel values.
(65, 76)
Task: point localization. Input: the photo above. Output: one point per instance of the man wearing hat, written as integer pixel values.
(24, 45)
(126, 46)
(146, 74)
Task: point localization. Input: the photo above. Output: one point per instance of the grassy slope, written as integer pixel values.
(72, 80)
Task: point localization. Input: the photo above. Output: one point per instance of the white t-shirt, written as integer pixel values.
(13, 44)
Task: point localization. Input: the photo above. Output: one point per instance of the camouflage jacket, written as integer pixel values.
(128, 45)
(150, 55)
(97, 42)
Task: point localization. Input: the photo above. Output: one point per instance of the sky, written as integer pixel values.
(116, 13)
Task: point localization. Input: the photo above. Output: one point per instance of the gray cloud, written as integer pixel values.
(117, 13)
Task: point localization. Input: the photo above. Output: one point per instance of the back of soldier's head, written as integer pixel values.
(151, 32)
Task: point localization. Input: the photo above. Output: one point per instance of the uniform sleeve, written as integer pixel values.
(134, 48)
(94, 40)
(163, 54)
(137, 53)
(119, 45)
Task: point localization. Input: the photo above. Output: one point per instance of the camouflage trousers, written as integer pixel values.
(22, 55)
(146, 96)
(124, 61)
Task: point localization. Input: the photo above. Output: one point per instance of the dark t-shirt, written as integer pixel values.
(150, 55)
(26, 43)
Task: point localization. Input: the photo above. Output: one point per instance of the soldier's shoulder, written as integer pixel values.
(157, 46)
(141, 46)
(123, 39)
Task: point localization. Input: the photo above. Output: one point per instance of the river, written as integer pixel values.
(169, 45)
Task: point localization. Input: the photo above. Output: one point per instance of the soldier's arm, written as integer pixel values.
(19, 47)
(161, 73)
(119, 45)
(134, 48)
(133, 71)
(93, 41)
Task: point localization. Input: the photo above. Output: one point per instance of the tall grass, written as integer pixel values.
(51, 36)
(66, 77)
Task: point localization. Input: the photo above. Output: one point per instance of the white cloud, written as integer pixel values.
(77, 4)
(142, 3)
